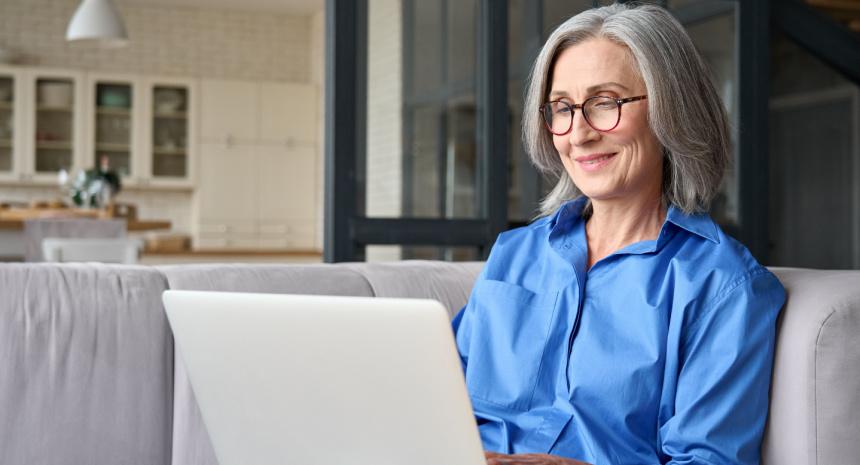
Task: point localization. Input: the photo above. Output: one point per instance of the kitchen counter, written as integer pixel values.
(13, 218)
(230, 256)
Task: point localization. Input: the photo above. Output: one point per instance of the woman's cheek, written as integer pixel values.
(560, 146)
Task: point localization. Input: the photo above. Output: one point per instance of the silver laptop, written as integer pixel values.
(313, 380)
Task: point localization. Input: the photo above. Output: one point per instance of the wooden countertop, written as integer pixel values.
(238, 253)
(13, 218)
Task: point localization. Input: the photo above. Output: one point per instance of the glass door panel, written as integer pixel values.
(113, 123)
(54, 125)
(7, 128)
(170, 131)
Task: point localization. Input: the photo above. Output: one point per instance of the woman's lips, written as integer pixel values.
(595, 161)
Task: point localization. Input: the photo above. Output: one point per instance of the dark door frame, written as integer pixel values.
(348, 230)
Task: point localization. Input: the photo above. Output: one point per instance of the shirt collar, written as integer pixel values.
(700, 224)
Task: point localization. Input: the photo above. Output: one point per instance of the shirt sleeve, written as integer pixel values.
(461, 336)
(726, 356)
(462, 322)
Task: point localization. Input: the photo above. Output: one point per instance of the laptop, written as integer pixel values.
(318, 380)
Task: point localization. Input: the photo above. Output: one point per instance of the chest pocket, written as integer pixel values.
(511, 328)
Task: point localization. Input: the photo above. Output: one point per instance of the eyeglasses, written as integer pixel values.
(601, 112)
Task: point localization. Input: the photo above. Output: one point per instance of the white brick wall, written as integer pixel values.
(384, 117)
(179, 41)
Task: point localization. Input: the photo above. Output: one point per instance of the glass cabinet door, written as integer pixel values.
(55, 129)
(113, 126)
(170, 131)
(54, 125)
(7, 127)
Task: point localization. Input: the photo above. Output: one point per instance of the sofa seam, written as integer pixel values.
(815, 379)
(366, 280)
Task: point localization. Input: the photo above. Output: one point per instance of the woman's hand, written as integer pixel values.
(529, 459)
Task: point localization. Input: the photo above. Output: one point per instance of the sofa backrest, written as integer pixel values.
(447, 282)
(815, 393)
(86, 365)
(87, 360)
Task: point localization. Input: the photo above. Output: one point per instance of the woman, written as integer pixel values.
(622, 327)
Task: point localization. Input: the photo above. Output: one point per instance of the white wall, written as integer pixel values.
(384, 117)
(167, 41)
(317, 38)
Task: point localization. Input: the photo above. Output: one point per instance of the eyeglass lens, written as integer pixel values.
(601, 113)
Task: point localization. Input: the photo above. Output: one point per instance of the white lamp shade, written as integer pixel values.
(97, 20)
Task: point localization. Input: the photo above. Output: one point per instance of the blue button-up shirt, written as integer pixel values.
(660, 353)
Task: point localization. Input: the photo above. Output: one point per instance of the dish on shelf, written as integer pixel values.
(109, 98)
(169, 100)
(55, 94)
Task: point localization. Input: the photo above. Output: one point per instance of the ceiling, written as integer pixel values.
(303, 7)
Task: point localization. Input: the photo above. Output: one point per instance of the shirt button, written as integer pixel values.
(567, 245)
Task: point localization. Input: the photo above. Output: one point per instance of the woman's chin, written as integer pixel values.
(596, 190)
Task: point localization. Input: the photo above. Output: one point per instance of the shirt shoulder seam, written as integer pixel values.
(710, 307)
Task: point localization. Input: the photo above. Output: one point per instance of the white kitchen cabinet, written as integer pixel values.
(53, 124)
(229, 111)
(228, 186)
(240, 112)
(272, 129)
(53, 119)
(145, 126)
(288, 113)
(112, 130)
(169, 142)
(11, 122)
(286, 181)
(287, 189)
(256, 197)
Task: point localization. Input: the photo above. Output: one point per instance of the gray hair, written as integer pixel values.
(684, 110)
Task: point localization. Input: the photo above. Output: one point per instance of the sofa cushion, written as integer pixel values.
(315, 279)
(815, 393)
(449, 283)
(87, 365)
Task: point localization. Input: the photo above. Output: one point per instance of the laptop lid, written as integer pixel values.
(318, 380)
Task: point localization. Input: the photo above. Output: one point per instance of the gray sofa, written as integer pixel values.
(88, 372)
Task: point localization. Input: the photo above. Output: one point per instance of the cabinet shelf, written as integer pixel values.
(113, 111)
(108, 147)
(6, 106)
(171, 115)
(5, 144)
(60, 145)
(173, 152)
(54, 109)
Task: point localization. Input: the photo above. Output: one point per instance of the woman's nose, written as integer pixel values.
(581, 132)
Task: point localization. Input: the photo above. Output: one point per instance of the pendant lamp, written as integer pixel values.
(97, 21)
